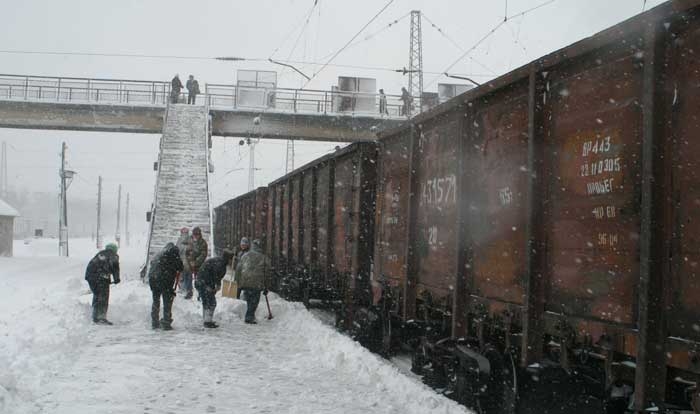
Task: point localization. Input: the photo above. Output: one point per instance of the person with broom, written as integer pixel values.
(251, 275)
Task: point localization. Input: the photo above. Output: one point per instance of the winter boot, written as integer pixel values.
(166, 325)
(155, 325)
(209, 319)
(103, 322)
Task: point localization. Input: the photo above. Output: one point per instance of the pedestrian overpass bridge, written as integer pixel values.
(117, 105)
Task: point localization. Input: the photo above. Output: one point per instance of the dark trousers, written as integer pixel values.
(168, 296)
(186, 281)
(208, 297)
(252, 298)
(174, 96)
(191, 98)
(100, 299)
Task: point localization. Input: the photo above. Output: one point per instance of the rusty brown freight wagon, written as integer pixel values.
(549, 220)
(322, 226)
(243, 216)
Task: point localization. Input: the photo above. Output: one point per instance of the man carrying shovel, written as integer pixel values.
(251, 274)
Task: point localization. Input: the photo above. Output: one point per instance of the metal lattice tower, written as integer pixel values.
(415, 60)
(290, 156)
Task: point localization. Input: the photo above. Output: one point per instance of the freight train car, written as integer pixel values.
(543, 228)
(534, 241)
(321, 227)
(243, 216)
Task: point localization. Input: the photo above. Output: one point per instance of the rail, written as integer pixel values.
(218, 96)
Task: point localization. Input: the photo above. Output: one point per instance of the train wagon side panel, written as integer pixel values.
(593, 141)
(270, 223)
(683, 105)
(308, 243)
(435, 236)
(496, 174)
(295, 219)
(392, 211)
(324, 216)
(261, 208)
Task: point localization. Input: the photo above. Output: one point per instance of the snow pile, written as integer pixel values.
(55, 360)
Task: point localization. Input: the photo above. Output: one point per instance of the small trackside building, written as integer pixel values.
(7, 220)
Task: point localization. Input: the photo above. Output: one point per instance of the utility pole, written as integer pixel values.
(251, 165)
(117, 236)
(66, 179)
(290, 156)
(126, 220)
(415, 60)
(98, 237)
(3, 171)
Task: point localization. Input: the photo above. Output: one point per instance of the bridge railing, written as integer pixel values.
(137, 92)
(301, 100)
(65, 89)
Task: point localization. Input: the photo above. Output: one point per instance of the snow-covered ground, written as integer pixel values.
(54, 360)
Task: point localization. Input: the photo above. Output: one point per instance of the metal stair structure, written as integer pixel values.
(181, 197)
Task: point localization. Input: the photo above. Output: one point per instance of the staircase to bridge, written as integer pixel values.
(182, 187)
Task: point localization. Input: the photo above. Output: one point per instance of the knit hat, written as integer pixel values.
(112, 246)
(245, 242)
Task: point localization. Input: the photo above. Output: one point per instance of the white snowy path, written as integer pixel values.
(54, 360)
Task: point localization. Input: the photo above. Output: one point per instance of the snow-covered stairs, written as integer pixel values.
(182, 193)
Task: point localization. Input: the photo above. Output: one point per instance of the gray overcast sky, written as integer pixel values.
(254, 29)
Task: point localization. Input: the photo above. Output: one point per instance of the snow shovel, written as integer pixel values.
(269, 312)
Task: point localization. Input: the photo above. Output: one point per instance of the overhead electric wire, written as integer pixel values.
(350, 41)
(372, 35)
(477, 44)
(457, 45)
(129, 55)
(491, 32)
(305, 18)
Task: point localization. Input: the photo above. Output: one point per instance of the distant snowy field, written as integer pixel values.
(54, 360)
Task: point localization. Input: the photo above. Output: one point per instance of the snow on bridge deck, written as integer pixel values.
(55, 360)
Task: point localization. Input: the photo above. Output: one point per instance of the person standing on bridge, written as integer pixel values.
(175, 88)
(382, 103)
(407, 100)
(209, 282)
(251, 274)
(163, 278)
(192, 86)
(98, 272)
(182, 244)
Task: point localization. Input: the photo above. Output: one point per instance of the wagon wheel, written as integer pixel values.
(502, 387)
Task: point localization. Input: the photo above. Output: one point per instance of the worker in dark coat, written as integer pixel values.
(175, 88)
(243, 248)
(104, 265)
(209, 282)
(197, 251)
(192, 86)
(186, 275)
(251, 274)
(163, 278)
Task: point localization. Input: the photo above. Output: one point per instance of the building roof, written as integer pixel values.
(7, 210)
